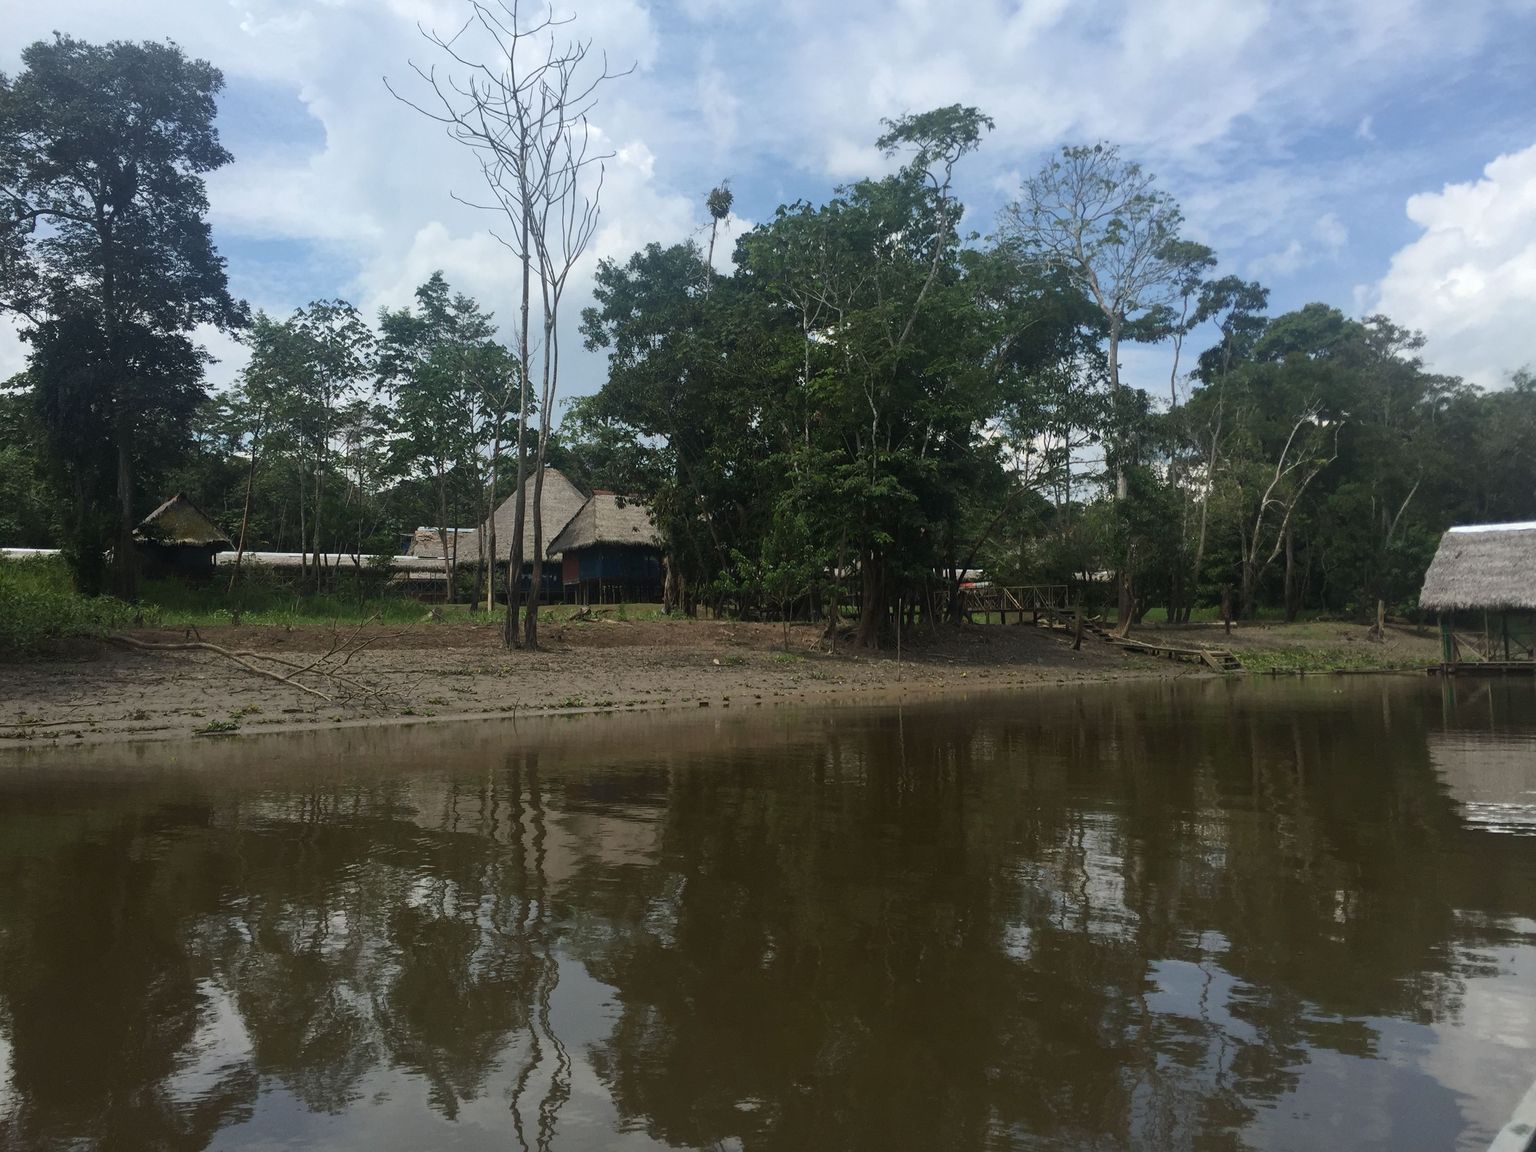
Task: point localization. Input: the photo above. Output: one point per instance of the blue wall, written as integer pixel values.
(619, 564)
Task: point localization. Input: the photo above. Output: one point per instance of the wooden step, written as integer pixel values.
(1222, 660)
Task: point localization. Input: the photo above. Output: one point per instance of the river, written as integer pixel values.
(1192, 915)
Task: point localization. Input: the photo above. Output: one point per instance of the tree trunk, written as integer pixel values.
(1249, 590)
(245, 516)
(450, 551)
(1290, 576)
(510, 637)
(303, 534)
(535, 580)
(125, 557)
(487, 535)
(319, 504)
(1205, 509)
(872, 604)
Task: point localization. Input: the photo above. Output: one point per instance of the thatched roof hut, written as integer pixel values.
(180, 523)
(1484, 567)
(560, 500)
(610, 551)
(463, 544)
(178, 538)
(607, 518)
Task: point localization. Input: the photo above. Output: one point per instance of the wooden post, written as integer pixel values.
(1447, 644)
(1077, 626)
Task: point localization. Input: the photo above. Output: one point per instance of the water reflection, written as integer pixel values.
(1198, 916)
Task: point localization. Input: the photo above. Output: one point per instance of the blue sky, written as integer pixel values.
(1375, 154)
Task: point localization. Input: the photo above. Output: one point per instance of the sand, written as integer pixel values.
(93, 693)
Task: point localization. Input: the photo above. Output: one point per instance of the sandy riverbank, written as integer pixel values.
(431, 671)
(96, 693)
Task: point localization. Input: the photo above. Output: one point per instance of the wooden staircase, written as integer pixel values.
(1222, 660)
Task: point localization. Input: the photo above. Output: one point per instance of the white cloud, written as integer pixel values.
(372, 203)
(1366, 129)
(785, 101)
(1328, 239)
(1278, 265)
(1329, 231)
(1469, 281)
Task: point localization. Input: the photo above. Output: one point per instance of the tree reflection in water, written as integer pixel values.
(1128, 919)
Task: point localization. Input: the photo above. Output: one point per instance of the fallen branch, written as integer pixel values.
(204, 646)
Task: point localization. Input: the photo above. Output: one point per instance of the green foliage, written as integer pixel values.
(265, 599)
(38, 603)
(109, 261)
(872, 405)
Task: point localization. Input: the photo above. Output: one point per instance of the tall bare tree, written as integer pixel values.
(561, 233)
(519, 96)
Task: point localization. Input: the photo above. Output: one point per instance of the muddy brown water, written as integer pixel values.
(1207, 915)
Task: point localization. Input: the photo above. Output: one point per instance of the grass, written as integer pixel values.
(261, 600)
(1355, 659)
(37, 604)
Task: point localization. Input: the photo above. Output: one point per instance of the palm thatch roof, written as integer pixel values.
(608, 519)
(180, 523)
(463, 544)
(1488, 567)
(560, 500)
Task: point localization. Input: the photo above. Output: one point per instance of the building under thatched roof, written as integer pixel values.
(1485, 567)
(463, 544)
(177, 537)
(607, 519)
(610, 550)
(560, 500)
(180, 522)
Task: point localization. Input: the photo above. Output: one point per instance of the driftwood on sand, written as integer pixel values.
(326, 667)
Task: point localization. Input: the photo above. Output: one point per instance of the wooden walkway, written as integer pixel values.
(1049, 606)
(1217, 659)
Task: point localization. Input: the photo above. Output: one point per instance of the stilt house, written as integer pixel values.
(1482, 584)
(610, 551)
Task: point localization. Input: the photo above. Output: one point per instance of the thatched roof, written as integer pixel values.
(464, 543)
(179, 522)
(608, 519)
(1489, 567)
(560, 499)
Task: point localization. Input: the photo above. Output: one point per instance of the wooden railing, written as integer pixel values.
(1034, 600)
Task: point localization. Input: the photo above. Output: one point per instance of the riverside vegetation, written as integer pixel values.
(870, 395)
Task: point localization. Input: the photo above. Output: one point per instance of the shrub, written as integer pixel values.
(39, 603)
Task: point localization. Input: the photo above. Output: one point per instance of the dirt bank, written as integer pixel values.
(93, 693)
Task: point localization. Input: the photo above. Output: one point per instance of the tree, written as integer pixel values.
(103, 150)
(451, 387)
(1102, 220)
(1237, 309)
(299, 394)
(522, 111)
(878, 265)
(1284, 410)
(29, 517)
